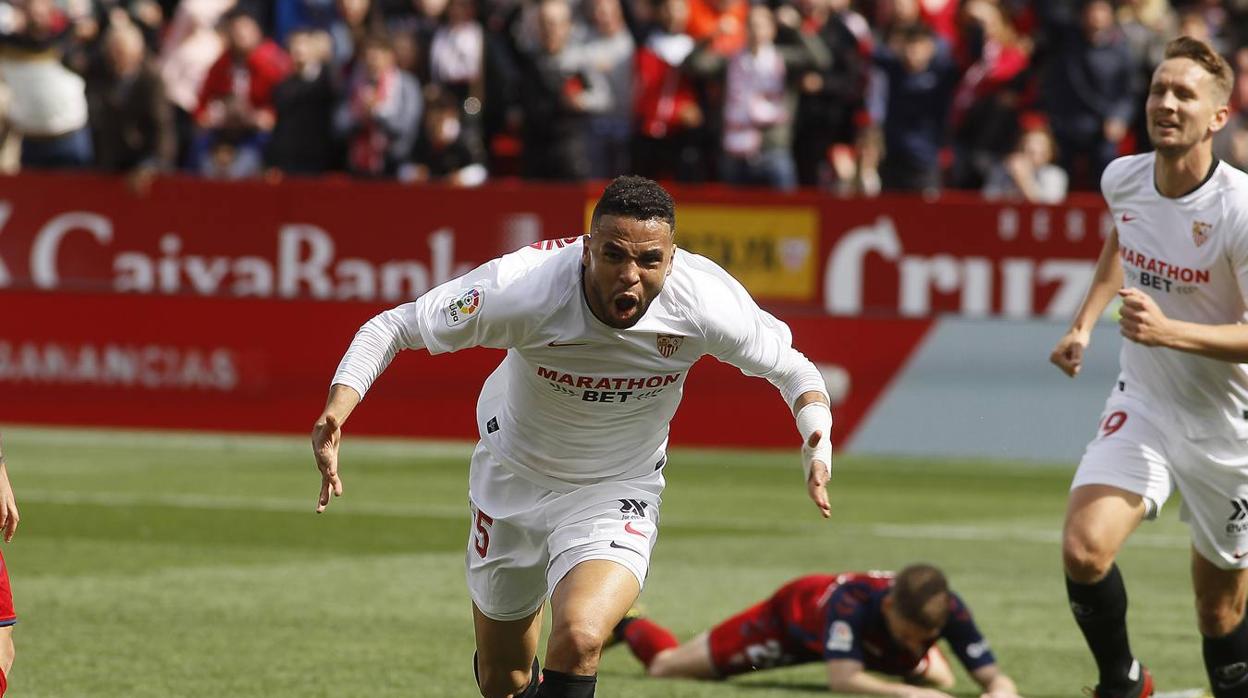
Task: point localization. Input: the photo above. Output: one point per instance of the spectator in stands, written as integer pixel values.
(985, 106)
(303, 139)
(917, 77)
(556, 88)
(236, 101)
(667, 114)
(1090, 89)
(421, 20)
(131, 120)
(443, 152)
(1147, 26)
(191, 46)
(49, 104)
(357, 20)
(455, 55)
(1029, 173)
(380, 117)
(10, 144)
(609, 56)
(760, 97)
(830, 100)
(1231, 143)
(722, 23)
(294, 15)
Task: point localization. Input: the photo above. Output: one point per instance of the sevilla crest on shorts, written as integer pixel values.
(1200, 232)
(668, 344)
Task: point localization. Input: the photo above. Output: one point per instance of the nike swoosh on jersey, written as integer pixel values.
(627, 547)
(1127, 217)
(567, 344)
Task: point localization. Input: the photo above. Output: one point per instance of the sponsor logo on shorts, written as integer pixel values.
(840, 637)
(628, 528)
(1237, 522)
(632, 508)
(629, 548)
(463, 308)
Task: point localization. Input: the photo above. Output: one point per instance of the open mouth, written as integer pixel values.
(626, 303)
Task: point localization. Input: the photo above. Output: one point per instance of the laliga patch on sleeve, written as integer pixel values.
(975, 650)
(840, 637)
(463, 308)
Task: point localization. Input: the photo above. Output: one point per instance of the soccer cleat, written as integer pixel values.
(1141, 689)
(617, 633)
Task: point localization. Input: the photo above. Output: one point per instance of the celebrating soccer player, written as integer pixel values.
(1178, 414)
(564, 485)
(856, 622)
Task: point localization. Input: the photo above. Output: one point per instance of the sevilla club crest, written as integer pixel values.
(1200, 232)
(668, 344)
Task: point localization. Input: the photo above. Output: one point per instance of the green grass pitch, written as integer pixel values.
(193, 565)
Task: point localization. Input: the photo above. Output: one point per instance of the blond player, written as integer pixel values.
(1178, 414)
(565, 484)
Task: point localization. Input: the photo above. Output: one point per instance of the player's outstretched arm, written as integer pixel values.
(848, 676)
(814, 421)
(1143, 322)
(995, 683)
(1107, 280)
(8, 502)
(327, 435)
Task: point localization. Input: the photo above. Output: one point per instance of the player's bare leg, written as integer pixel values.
(1099, 519)
(690, 660)
(505, 652)
(6, 656)
(585, 606)
(1220, 599)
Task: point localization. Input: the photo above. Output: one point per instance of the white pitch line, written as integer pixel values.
(1189, 693)
(451, 510)
(1011, 534)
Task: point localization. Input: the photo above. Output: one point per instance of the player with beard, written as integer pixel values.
(565, 483)
(1178, 414)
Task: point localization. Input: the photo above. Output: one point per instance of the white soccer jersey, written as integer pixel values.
(576, 401)
(1191, 255)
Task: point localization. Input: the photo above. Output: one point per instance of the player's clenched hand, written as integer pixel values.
(817, 483)
(326, 435)
(1140, 320)
(1068, 354)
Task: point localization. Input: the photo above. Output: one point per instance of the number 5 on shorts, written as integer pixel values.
(481, 540)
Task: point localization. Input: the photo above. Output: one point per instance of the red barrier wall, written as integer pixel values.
(227, 306)
(265, 365)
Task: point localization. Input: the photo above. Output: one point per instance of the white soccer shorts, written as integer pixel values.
(1139, 449)
(524, 538)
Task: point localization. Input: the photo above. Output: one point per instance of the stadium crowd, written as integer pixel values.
(1017, 98)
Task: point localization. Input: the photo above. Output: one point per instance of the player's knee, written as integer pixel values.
(1217, 616)
(1085, 561)
(500, 684)
(577, 645)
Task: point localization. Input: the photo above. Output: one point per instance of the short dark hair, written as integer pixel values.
(641, 199)
(921, 595)
(1204, 56)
